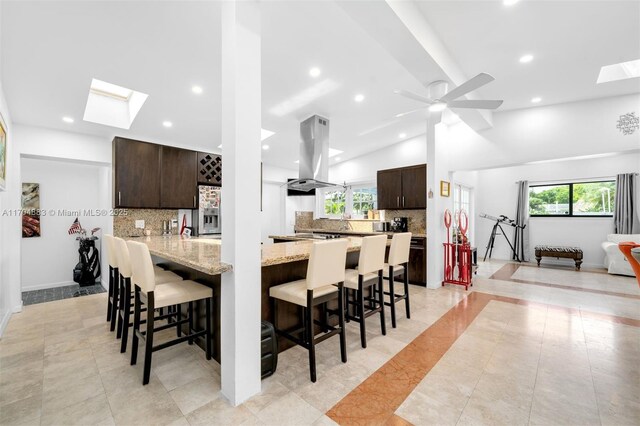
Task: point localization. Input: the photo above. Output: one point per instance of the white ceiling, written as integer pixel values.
(52, 50)
(570, 41)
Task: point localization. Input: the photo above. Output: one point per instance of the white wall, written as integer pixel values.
(547, 132)
(496, 194)
(48, 260)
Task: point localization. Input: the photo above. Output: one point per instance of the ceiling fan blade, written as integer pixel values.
(402, 114)
(472, 103)
(413, 96)
(468, 86)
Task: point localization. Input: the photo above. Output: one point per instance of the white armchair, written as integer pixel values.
(614, 260)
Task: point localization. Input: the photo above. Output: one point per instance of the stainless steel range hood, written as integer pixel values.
(314, 155)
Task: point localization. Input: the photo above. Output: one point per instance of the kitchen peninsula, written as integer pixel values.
(199, 259)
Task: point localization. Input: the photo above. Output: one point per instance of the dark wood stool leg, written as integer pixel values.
(110, 296)
(148, 350)
(190, 322)
(179, 318)
(406, 290)
(383, 321)
(121, 292)
(126, 315)
(360, 303)
(114, 303)
(209, 337)
(343, 340)
(136, 326)
(310, 335)
(392, 297)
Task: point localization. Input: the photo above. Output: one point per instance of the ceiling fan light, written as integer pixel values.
(438, 106)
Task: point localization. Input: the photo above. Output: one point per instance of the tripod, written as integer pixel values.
(492, 240)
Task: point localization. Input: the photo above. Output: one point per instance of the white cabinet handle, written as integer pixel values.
(119, 198)
(398, 201)
(403, 201)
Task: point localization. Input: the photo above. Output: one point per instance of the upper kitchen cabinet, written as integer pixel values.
(136, 174)
(209, 169)
(403, 188)
(178, 189)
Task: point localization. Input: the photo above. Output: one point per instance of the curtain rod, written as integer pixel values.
(571, 180)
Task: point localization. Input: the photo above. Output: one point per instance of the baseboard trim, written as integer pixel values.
(4, 322)
(47, 285)
(105, 285)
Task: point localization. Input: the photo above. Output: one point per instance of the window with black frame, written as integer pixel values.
(575, 199)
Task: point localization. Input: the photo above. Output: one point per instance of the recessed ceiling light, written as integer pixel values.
(510, 2)
(333, 152)
(265, 147)
(337, 158)
(402, 135)
(67, 119)
(437, 107)
(621, 71)
(359, 97)
(526, 59)
(196, 89)
(297, 161)
(315, 72)
(264, 134)
(536, 99)
(220, 146)
(167, 123)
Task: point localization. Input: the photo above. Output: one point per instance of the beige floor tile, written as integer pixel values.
(143, 405)
(195, 394)
(489, 410)
(424, 409)
(323, 394)
(289, 410)
(77, 364)
(24, 411)
(549, 407)
(60, 393)
(180, 372)
(93, 411)
(272, 390)
(219, 412)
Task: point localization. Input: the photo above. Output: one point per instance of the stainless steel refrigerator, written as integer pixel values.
(207, 218)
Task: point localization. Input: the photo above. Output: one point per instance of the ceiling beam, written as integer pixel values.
(401, 29)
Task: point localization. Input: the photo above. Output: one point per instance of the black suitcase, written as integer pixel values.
(269, 349)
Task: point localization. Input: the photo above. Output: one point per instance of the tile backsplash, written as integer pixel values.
(305, 220)
(124, 226)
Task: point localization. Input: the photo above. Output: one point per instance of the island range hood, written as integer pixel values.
(314, 155)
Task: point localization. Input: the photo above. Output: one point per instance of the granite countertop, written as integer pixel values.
(349, 232)
(201, 254)
(274, 254)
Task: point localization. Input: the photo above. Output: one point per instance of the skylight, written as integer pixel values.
(112, 105)
(621, 71)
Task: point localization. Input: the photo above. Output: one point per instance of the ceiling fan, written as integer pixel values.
(438, 97)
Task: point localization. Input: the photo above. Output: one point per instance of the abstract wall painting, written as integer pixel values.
(30, 210)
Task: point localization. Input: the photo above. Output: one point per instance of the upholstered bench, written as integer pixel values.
(574, 253)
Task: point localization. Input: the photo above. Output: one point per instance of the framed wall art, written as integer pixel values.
(445, 188)
(30, 210)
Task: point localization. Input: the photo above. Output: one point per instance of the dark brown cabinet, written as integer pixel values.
(178, 182)
(403, 188)
(209, 169)
(136, 174)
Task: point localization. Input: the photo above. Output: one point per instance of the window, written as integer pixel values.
(573, 199)
(334, 203)
(364, 200)
(461, 199)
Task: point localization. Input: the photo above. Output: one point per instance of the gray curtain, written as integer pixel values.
(625, 212)
(521, 232)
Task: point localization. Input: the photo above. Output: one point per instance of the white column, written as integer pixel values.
(437, 170)
(240, 134)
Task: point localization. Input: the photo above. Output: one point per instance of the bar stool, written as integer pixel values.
(154, 297)
(114, 282)
(367, 275)
(398, 264)
(124, 307)
(325, 268)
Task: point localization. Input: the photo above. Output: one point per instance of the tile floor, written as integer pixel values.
(528, 346)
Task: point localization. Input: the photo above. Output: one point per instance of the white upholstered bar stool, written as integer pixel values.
(398, 264)
(114, 280)
(368, 275)
(323, 283)
(125, 290)
(172, 293)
